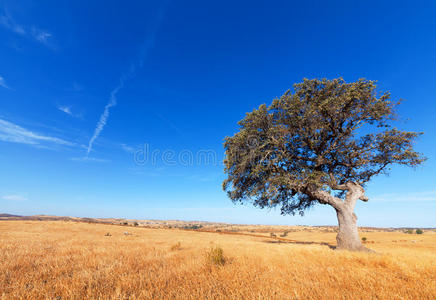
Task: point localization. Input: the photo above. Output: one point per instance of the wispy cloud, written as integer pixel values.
(408, 197)
(66, 109)
(105, 115)
(41, 36)
(69, 111)
(7, 22)
(3, 83)
(90, 159)
(128, 149)
(14, 198)
(10, 132)
(147, 45)
(32, 32)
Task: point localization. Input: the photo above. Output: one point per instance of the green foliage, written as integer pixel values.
(215, 256)
(363, 239)
(195, 227)
(408, 231)
(419, 231)
(322, 137)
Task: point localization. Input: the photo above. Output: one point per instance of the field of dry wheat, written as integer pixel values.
(70, 260)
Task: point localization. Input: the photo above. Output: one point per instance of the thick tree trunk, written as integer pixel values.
(348, 237)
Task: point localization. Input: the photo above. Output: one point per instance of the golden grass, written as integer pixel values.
(45, 260)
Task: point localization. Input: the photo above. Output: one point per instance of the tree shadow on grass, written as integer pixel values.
(299, 243)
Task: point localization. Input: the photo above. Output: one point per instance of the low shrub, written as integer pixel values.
(419, 231)
(364, 239)
(215, 256)
(194, 227)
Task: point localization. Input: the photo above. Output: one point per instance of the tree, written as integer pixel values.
(320, 144)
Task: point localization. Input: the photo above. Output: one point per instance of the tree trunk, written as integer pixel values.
(348, 237)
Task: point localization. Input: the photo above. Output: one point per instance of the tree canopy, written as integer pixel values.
(313, 142)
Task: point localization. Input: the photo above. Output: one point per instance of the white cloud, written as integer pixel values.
(41, 35)
(66, 109)
(91, 159)
(409, 197)
(147, 45)
(127, 148)
(7, 21)
(14, 198)
(32, 32)
(10, 132)
(105, 115)
(3, 83)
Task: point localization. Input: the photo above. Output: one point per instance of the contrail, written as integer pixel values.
(105, 115)
(148, 43)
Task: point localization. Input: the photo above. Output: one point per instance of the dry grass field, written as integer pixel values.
(71, 260)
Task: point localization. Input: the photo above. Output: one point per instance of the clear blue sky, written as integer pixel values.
(108, 77)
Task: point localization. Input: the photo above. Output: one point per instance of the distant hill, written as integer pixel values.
(190, 225)
(8, 216)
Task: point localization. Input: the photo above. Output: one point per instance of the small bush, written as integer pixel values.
(408, 231)
(364, 239)
(272, 234)
(136, 224)
(176, 246)
(284, 234)
(216, 256)
(419, 231)
(194, 227)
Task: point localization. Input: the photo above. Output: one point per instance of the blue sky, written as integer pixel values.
(84, 86)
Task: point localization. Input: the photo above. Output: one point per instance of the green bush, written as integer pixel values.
(419, 231)
(408, 231)
(216, 256)
(195, 227)
(364, 239)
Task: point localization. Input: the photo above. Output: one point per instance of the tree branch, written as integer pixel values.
(324, 197)
(355, 192)
(334, 184)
